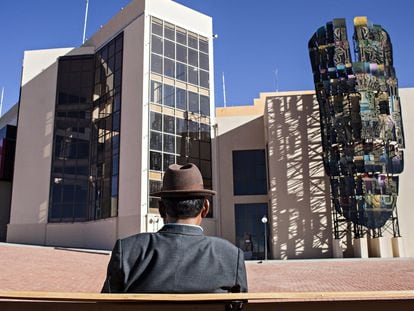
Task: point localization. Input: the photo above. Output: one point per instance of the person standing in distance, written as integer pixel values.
(179, 258)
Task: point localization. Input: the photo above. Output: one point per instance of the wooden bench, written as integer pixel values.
(293, 301)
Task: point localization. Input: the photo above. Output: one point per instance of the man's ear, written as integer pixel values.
(206, 208)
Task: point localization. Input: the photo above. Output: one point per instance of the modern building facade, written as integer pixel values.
(269, 159)
(99, 124)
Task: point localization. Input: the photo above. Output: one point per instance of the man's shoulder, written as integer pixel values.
(220, 242)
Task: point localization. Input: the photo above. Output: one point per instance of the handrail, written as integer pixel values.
(251, 297)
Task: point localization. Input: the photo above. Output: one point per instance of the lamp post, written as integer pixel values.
(264, 221)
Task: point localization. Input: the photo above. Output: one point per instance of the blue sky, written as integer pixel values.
(255, 37)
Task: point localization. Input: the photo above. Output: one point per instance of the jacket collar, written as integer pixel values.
(182, 229)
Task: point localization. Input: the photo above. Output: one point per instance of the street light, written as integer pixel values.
(264, 221)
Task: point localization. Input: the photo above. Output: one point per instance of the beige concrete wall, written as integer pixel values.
(99, 234)
(406, 186)
(299, 190)
(30, 196)
(132, 129)
(234, 133)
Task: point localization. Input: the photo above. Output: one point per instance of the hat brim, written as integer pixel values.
(183, 193)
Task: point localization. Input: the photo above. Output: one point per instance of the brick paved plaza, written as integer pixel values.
(32, 268)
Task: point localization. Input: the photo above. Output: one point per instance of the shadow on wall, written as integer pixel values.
(299, 205)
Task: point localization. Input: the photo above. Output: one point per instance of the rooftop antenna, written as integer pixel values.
(1, 100)
(224, 90)
(84, 24)
(276, 72)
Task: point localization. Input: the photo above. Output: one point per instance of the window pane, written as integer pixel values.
(192, 41)
(204, 61)
(181, 145)
(249, 172)
(156, 121)
(193, 129)
(203, 45)
(194, 148)
(169, 31)
(193, 102)
(156, 92)
(156, 45)
(181, 73)
(155, 141)
(168, 160)
(169, 124)
(205, 132)
(181, 99)
(182, 127)
(181, 36)
(169, 95)
(169, 143)
(155, 161)
(204, 105)
(205, 168)
(193, 57)
(169, 68)
(169, 49)
(157, 27)
(204, 79)
(155, 185)
(181, 53)
(156, 64)
(192, 75)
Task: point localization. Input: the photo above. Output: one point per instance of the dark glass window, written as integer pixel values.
(169, 143)
(70, 162)
(193, 128)
(156, 92)
(203, 45)
(205, 132)
(204, 61)
(193, 57)
(181, 53)
(169, 49)
(168, 160)
(156, 121)
(169, 95)
(249, 172)
(181, 36)
(181, 72)
(169, 31)
(169, 68)
(193, 104)
(192, 75)
(156, 141)
(204, 105)
(169, 124)
(156, 45)
(204, 79)
(181, 98)
(192, 41)
(155, 161)
(182, 126)
(250, 229)
(156, 27)
(156, 64)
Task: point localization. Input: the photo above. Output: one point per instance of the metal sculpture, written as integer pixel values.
(360, 115)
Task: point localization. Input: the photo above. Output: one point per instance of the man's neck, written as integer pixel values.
(196, 221)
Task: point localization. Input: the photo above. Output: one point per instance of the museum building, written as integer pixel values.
(99, 124)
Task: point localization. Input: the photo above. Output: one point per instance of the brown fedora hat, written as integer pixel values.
(182, 181)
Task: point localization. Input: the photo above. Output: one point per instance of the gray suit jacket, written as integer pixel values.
(176, 259)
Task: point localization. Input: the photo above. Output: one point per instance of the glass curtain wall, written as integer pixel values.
(106, 119)
(180, 123)
(72, 128)
(84, 178)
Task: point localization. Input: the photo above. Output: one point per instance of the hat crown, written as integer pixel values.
(183, 181)
(182, 177)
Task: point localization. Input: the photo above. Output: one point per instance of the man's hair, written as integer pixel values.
(180, 208)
